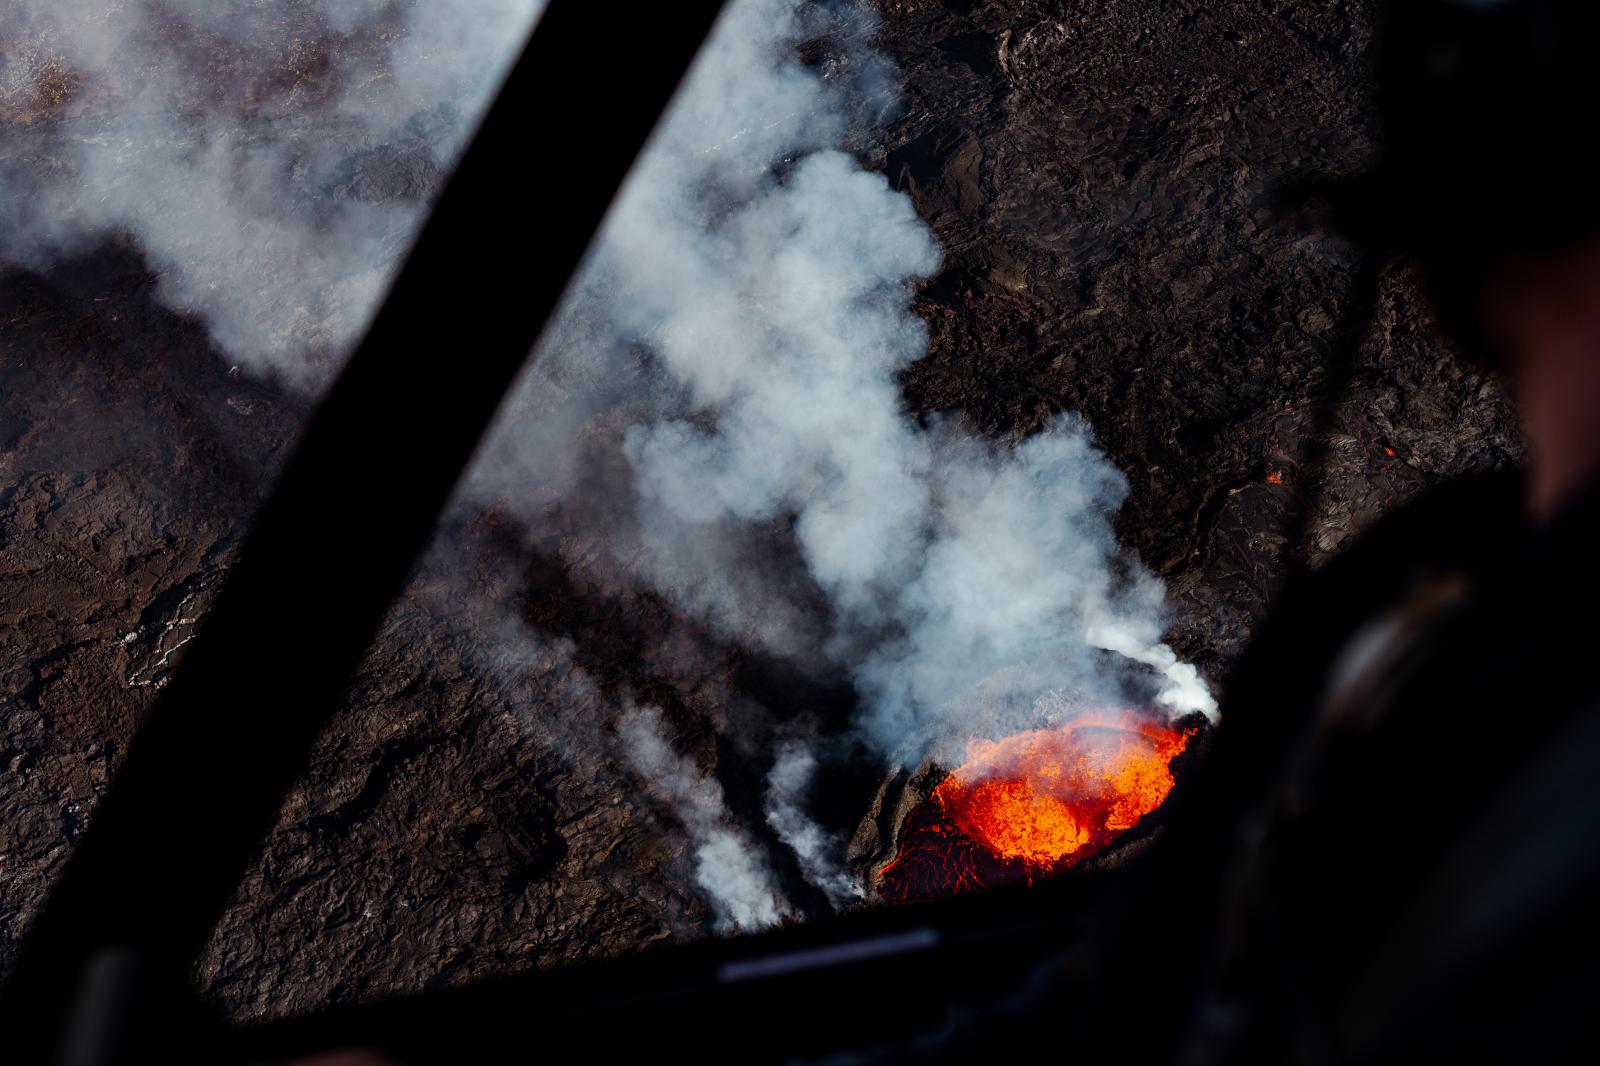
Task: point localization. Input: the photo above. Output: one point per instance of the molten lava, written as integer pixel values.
(1034, 804)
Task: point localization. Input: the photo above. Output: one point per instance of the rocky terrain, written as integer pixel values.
(1098, 175)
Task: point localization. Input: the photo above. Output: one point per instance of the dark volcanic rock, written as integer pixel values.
(130, 456)
(1100, 177)
(1098, 174)
(439, 834)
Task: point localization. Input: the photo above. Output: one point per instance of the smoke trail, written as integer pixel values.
(271, 160)
(727, 865)
(788, 786)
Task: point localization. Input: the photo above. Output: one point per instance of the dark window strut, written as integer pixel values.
(208, 770)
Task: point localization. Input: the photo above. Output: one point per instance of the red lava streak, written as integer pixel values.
(1034, 804)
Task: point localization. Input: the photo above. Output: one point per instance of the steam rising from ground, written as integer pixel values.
(794, 771)
(271, 159)
(745, 315)
(769, 277)
(726, 865)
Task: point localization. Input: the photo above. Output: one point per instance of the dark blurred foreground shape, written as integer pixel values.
(1390, 854)
(1394, 850)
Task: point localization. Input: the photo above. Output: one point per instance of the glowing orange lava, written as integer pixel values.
(1043, 796)
(1034, 804)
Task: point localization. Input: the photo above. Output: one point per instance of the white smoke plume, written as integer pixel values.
(1018, 586)
(968, 583)
(727, 864)
(271, 160)
(768, 275)
(793, 771)
(744, 316)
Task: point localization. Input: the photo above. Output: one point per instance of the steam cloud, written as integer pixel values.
(769, 277)
(793, 771)
(271, 160)
(727, 867)
(763, 274)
